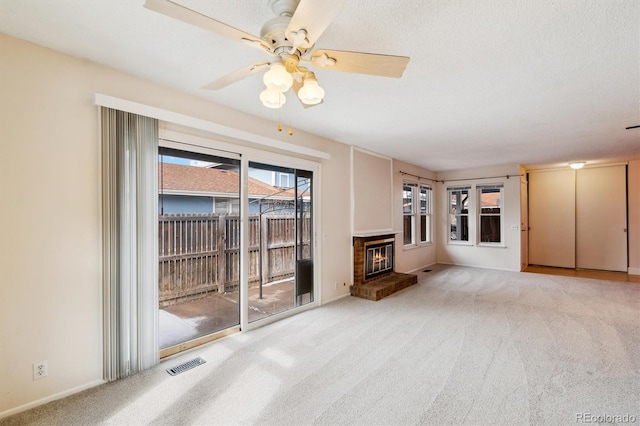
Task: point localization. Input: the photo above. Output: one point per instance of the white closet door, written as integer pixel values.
(601, 218)
(552, 231)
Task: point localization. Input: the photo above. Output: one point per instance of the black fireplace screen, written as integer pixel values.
(378, 258)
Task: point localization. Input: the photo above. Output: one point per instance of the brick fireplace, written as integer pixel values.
(374, 276)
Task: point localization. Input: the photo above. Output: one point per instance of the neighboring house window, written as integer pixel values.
(458, 201)
(285, 180)
(226, 206)
(425, 213)
(235, 206)
(490, 213)
(408, 213)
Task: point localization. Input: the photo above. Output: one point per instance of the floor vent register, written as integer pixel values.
(181, 368)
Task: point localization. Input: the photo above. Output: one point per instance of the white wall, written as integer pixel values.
(50, 238)
(372, 191)
(420, 256)
(507, 257)
(50, 180)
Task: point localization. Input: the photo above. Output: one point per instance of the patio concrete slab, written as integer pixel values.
(190, 320)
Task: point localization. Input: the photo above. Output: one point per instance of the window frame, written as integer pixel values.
(428, 214)
(416, 214)
(469, 193)
(480, 214)
(411, 214)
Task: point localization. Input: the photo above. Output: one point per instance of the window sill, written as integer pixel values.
(494, 245)
(459, 243)
(416, 246)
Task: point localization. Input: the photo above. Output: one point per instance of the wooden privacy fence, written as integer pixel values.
(200, 254)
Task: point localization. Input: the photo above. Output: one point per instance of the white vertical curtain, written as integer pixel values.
(130, 242)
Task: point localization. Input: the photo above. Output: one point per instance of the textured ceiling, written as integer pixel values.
(489, 81)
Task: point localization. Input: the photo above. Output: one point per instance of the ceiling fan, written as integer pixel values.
(290, 38)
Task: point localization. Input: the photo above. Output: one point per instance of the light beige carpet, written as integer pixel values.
(463, 346)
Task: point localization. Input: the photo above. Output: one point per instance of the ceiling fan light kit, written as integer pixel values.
(272, 97)
(311, 93)
(577, 165)
(290, 37)
(278, 77)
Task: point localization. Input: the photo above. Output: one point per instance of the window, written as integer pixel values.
(285, 180)
(408, 213)
(224, 205)
(416, 213)
(490, 213)
(458, 214)
(425, 214)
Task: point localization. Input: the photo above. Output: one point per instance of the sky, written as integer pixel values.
(183, 161)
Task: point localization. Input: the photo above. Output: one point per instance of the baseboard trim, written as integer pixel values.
(342, 296)
(633, 271)
(480, 267)
(421, 268)
(42, 401)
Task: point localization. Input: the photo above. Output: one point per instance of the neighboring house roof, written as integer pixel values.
(491, 200)
(191, 179)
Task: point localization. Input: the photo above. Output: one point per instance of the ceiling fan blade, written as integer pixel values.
(236, 76)
(358, 62)
(313, 16)
(297, 85)
(181, 13)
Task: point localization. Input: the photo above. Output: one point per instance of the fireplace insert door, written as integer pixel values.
(304, 238)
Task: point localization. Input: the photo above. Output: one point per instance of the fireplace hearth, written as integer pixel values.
(374, 276)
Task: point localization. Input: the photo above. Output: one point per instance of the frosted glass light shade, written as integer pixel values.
(311, 93)
(577, 165)
(278, 77)
(271, 97)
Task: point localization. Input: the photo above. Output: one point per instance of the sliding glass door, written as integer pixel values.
(199, 247)
(304, 237)
(280, 258)
(202, 292)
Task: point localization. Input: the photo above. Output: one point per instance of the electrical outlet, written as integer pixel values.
(40, 370)
(335, 284)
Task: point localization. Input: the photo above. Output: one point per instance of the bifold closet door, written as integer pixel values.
(552, 213)
(601, 218)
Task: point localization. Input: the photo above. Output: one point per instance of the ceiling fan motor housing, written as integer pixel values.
(283, 7)
(273, 33)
